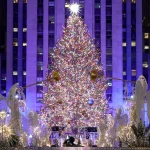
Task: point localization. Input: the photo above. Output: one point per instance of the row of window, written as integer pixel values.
(16, 30)
(16, 44)
(133, 1)
(39, 87)
(15, 73)
(109, 48)
(24, 1)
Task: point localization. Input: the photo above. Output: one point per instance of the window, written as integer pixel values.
(133, 1)
(146, 35)
(108, 11)
(15, 73)
(108, 42)
(40, 1)
(24, 73)
(39, 95)
(145, 64)
(24, 44)
(108, 2)
(24, 29)
(97, 5)
(3, 77)
(3, 92)
(67, 5)
(39, 79)
(15, 43)
(108, 19)
(133, 43)
(40, 19)
(40, 66)
(97, 19)
(15, 1)
(39, 100)
(97, 1)
(124, 73)
(51, 10)
(39, 89)
(146, 47)
(133, 72)
(15, 29)
(109, 97)
(124, 44)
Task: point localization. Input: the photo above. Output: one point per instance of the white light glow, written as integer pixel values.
(132, 96)
(74, 8)
(30, 136)
(16, 96)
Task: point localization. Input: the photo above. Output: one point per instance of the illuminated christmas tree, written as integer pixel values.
(75, 85)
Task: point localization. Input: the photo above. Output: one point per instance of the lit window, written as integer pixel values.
(133, 1)
(109, 83)
(24, 44)
(40, 84)
(24, 29)
(133, 72)
(39, 79)
(146, 35)
(124, 44)
(25, 1)
(146, 47)
(133, 43)
(3, 77)
(24, 73)
(39, 67)
(3, 92)
(124, 73)
(15, 43)
(15, 1)
(15, 29)
(145, 64)
(15, 73)
(39, 95)
(67, 5)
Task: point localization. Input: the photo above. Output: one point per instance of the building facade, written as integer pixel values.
(146, 40)
(3, 6)
(34, 26)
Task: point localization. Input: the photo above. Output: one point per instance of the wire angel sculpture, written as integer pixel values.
(140, 93)
(148, 104)
(15, 100)
(33, 119)
(121, 119)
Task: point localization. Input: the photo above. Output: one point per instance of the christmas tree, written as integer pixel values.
(75, 84)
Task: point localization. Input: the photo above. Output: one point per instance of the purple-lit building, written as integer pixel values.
(146, 40)
(34, 26)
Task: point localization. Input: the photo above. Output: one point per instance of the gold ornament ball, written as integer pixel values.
(94, 74)
(56, 75)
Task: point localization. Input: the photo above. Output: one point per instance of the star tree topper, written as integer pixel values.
(74, 8)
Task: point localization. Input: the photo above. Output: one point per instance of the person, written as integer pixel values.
(70, 142)
(55, 143)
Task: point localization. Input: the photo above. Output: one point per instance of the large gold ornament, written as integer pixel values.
(94, 74)
(55, 75)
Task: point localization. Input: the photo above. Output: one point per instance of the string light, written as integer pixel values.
(66, 99)
(2, 115)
